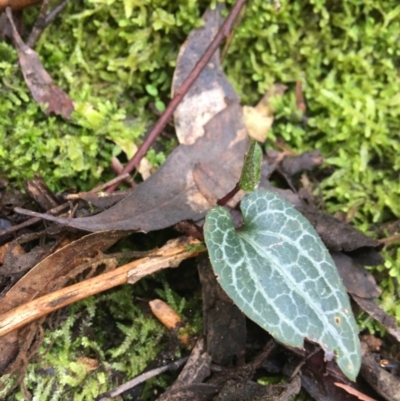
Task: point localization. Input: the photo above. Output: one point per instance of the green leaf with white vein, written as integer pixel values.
(279, 273)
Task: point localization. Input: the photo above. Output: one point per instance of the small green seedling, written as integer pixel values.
(279, 273)
(251, 170)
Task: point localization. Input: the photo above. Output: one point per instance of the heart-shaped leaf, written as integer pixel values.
(279, 273)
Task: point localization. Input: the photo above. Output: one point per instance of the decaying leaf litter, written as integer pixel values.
(202, 169)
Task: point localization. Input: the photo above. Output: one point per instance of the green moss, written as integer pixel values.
(114, 58)
(106, 55)
(63, 373)
(109, 330)
(346, 56)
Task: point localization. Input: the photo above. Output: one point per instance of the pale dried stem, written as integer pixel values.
(169, 255)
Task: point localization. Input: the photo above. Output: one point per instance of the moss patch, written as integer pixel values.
(114, 58)
(103, 342)
(346, 56)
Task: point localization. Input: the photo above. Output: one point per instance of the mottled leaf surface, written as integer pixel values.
(278, 272)
(251, 171)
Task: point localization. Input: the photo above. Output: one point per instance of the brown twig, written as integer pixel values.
(232, 34)
(39, 25)
(168, 256)
(223, 201)
(181, 92)
(44, 20)
(117, 167)
(390, 240)
(114, 181)
(141, 378)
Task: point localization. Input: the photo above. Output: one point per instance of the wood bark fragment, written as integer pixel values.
(169, 255)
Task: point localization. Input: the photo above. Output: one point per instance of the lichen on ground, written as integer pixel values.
(114, 58)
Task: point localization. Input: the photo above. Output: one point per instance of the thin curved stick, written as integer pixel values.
(181, 92)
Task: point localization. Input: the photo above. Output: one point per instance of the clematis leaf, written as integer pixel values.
(279, 273)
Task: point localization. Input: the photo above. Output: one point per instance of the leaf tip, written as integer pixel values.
(349, 364)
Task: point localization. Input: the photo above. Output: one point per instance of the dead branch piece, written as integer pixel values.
(141, 378)
(39, 25)
(390, 240)
(44, 20)
(99, 189)
(384, 383)
(114, 181)
(117, 167)
(229, 39)
(169, 318)
(353, 391)
(165, 314)
(170, 255)
(181, 92)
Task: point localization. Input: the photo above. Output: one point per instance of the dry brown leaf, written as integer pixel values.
(356, 278)
(203, 169)
(175, 193)
(257, 123)
(40, 280)
(291, 165)
(370, 306)
(47, 275)
(38, 80)
(211, 93)
(259, 119)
